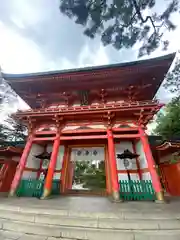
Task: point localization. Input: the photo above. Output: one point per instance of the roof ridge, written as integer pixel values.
(86, 69)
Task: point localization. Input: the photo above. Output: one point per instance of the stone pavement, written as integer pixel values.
(8, 235)
(92, 204)
(87, 218)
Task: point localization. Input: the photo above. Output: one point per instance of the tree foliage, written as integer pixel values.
(168, 123)
(91, 176)
(12, 131)
(7, 95)
(172, 82)
(123, 23)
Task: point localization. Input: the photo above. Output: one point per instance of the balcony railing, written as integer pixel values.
(107, 106)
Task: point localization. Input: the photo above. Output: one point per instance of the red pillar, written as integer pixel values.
(107, 169)
(3, 174)
(21, 166)
(151, 165)
(71, 175)
(51, 168)
(63, 171)
(113, 166)
(40, 169)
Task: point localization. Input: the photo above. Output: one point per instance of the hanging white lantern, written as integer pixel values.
(45, 163)
(127, 163)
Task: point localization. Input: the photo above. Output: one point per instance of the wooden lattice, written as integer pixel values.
(34, 188)
(136, 190)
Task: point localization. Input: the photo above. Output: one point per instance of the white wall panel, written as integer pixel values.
(57, 176)
(29, 175)
(49, 147)
(120, 147)
(32, 161)
(142, 157)
(122, 176)
(146, 176)
(94, 154)
(100, 153)
(134, 176)
(60, 158)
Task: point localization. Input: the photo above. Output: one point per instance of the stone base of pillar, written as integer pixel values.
(46, 194)
(115, 197)
(160, 197)
(12, 193)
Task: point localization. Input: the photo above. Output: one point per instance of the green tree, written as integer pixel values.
(123, 23)
(12, 131)
(172, 82)
(7, 94)
(2, 134)
(91, 176)
(79, 171)
(95, 178)
(168, 122)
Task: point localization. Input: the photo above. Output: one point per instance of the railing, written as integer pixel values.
(136, 190)
(34, 188)
(55, 187)
(92, 107)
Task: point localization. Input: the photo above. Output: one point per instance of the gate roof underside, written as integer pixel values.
(141, 77)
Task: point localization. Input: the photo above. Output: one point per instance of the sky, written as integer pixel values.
(35, 37)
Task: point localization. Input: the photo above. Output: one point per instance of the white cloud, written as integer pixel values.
(17, 54)
(88, 58)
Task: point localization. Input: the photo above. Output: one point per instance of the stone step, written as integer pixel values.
(119, 223)
(10, 210)
(49, 223)
(84, 233)
(81, 192)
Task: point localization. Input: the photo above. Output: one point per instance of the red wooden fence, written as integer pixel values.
(171, 177)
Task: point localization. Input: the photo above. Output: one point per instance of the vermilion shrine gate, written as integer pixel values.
(90, 113)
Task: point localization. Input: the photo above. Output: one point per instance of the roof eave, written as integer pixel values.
(11, 77)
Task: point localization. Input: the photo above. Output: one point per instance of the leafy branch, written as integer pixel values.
(123, 23)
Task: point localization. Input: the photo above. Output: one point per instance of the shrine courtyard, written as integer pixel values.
(82, 217)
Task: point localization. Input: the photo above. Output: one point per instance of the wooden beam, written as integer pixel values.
(94, 130)
(126, 135)
(125, 129)
(83, 131)
(45, 132)
(99, 136)
(84, 137)
(44, 139)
